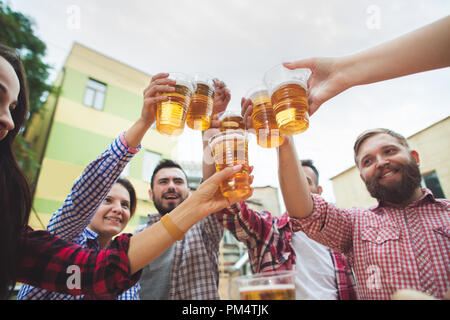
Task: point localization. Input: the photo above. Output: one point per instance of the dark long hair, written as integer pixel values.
(15, 195)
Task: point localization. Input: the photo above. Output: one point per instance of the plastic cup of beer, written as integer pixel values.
(276, 285)
(201, 107)
(263, 118)
(171, 114)
(288, 92)
(230, 120)
(230, 148)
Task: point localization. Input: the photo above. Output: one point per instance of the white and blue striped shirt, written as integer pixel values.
(70, 222)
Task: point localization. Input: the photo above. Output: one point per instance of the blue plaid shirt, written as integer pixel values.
(71, 220)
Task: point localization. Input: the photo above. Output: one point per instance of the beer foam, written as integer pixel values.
(186, 84)
(260, 93)
(292, 81)
(230, 134)
(206, 83)
(281, 286)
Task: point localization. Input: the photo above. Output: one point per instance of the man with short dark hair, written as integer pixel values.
(189, 269)
(320, 274)
(402, 243)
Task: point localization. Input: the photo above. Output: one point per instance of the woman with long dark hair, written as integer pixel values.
(46, 261)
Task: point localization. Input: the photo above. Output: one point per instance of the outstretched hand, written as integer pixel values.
(246, 112)
(325, 81)
(208, 195)
(222, 96)
(159, 84)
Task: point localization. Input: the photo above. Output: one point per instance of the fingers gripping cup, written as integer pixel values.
(230, 148)
(287, 89)
(277, 285)
(263, 118)
(201, 107)
(171, 114)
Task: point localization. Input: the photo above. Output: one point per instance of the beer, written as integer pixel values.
(200, 109)
(171, 114)
(289, 98)
(290, 106)
(231, 122)
(230, 149)
(268, 292)
(264, 123)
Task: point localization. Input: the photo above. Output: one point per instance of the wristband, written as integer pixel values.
(173, 230)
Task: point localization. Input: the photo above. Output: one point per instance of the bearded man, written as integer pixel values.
(402, 243)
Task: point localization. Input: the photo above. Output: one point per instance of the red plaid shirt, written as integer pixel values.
(268, 240)
(47, 262)
(390, 247)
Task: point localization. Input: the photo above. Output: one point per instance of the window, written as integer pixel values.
(151, 160)
(431, 181)
(94, 96)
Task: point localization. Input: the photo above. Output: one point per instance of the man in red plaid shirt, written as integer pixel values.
(321, 273)
(402, 243)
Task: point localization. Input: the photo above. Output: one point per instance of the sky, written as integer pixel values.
(238, 40)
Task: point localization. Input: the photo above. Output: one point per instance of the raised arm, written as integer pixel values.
(150, 243)
(94, 184)
(421, 50)
(293, 183)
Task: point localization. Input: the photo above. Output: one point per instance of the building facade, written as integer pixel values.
(433, 146)
(97, 99)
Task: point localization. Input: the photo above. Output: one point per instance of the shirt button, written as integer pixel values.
(379, 239)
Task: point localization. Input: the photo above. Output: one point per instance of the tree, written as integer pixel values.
(16, 31)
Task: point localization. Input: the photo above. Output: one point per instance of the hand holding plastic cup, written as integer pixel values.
(230, 148)
(288, 92)
(263, 118)
(171, 114)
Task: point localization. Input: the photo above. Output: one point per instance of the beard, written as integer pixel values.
(400, 192)
(170, 206)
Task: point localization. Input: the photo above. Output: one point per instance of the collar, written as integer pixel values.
(427, 197)
(92, 235)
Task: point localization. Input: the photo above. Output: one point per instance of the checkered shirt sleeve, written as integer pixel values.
(90, 189)
(267, 238)
(47, 260)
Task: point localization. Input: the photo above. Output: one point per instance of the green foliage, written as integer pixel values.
(16, 31)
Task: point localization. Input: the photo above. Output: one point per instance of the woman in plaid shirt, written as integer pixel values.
(42, 259)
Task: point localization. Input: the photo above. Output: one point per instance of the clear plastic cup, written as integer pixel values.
(171, 114)
(288, 93)
(230, 148)
(263, 118)
(201, 107)
(277, 285)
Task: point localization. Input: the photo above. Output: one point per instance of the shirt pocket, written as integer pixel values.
(381, 245)
(380, 234)
(443, 231)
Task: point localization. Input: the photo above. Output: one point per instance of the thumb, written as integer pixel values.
(304, 63)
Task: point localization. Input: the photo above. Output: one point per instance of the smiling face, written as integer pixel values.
(389, 169)
(113, 214)
(9, 93)
(169, 189)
